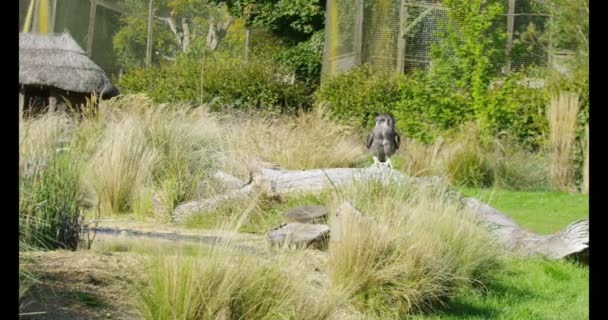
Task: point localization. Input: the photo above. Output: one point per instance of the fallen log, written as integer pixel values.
(277, 181)
(572, 241)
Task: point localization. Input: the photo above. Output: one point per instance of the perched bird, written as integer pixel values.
(383, 141)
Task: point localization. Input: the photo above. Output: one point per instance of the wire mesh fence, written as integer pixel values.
(398, 34)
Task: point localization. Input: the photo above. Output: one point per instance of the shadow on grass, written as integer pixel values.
(470, 303)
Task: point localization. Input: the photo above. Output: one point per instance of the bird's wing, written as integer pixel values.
(370, 139)
(397, 140)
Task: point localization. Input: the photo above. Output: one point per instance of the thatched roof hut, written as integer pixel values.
(55, 65)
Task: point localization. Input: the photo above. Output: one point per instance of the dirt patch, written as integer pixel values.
(83, 285)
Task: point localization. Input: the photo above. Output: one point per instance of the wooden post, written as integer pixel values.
(35, 26)
(358, 36)
(52, 103)
(91, 31)
(53, 15)
(149, 41)
(550, 44)
(510, 27)
(247, 43)
(202, 77)
(21, 103)
(401, 39)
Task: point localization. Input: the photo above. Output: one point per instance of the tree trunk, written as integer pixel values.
(572, 241)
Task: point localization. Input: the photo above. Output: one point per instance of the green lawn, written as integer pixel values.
(533, 288)
(540, 211)
(528, 288)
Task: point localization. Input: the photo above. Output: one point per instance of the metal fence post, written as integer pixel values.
(149, 40)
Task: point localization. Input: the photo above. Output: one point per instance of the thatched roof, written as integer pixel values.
(56, 60)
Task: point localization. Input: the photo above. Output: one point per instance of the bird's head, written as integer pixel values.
(385, 119)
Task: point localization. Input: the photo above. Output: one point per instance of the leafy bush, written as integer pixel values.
(305, 58)
(360, 94)
(227, 83)
(426, 105)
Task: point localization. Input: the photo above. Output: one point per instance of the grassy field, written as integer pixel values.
(418, 249)
(533, 288)
(541, 212)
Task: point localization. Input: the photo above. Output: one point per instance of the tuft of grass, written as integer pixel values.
(87, 298)
(467, 160)
(121, 165)
(227, 285)
(562, 114)
(146, 149)
(410, 250)
(39, 138)
(50, 203)
(515, 168)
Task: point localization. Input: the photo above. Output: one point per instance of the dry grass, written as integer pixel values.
(460, 157)
(410, 250)
(465, 160)
(142, 149)
(39, 137)
(309, 140)
(562, 115)
(121, 166)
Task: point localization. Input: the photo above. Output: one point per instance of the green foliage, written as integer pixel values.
(518, 108)
(469, 50)
(570, 25)
(293, 20)
(468, 168)
(130, 41)
(227, 83)
(360, 93)
(305, 58)
(49, 202)
(461, 85)
(426, 105)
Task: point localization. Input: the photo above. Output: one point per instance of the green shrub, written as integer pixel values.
(360, 94)
(227, 83)
(305, 58)
(516, 107)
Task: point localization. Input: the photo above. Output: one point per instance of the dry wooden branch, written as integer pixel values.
(572, 241)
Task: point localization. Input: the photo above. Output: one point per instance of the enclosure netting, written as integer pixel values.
(368, 31)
